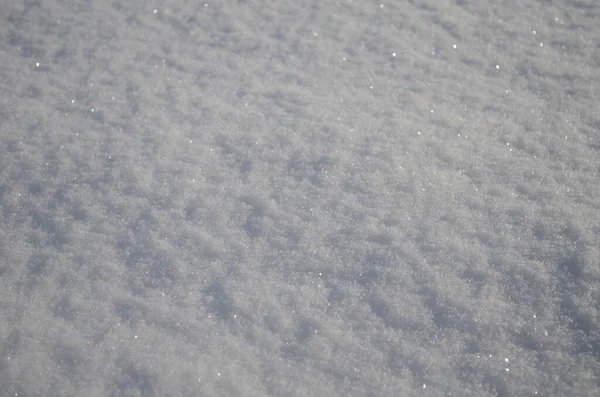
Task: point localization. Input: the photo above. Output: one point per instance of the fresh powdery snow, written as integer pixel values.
(299, 198)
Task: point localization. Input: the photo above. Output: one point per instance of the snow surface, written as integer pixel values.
(299, 198)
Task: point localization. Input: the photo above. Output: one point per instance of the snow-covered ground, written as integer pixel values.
(300, 198)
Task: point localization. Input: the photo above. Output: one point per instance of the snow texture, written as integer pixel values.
(299, 198)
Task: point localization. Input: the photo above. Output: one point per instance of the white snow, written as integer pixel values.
(246, 198)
